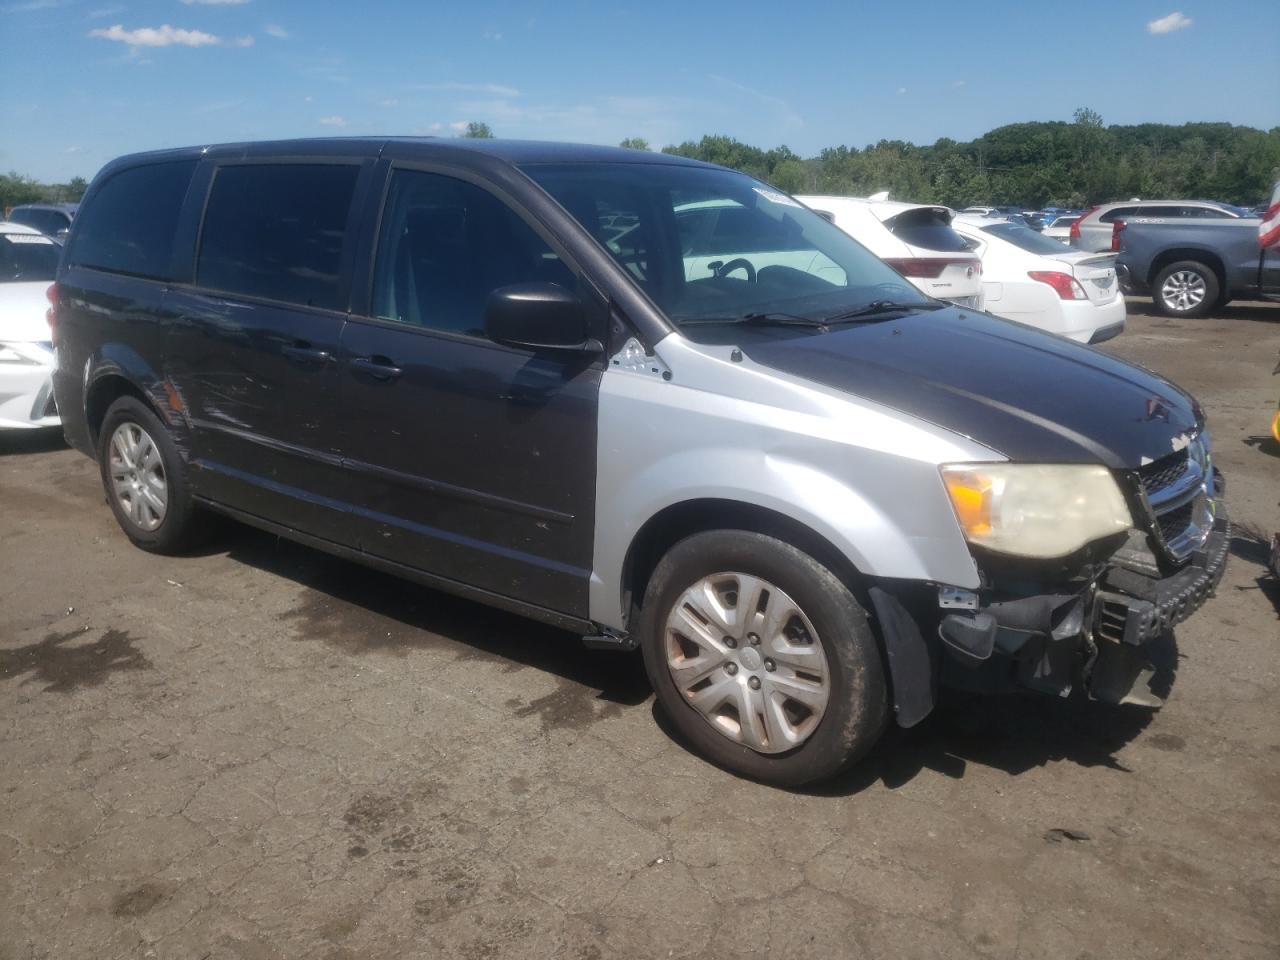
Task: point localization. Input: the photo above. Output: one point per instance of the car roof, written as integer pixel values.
(60, 207)
(455, 149)
(7, 226)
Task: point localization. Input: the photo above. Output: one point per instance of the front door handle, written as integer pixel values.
(305, 352)
(378, 367)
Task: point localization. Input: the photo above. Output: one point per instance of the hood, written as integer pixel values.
(1027, 394)
(22, 312)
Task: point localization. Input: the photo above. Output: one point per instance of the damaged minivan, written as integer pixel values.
(643, 398)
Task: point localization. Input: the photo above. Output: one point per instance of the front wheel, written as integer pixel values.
(762, 659)
(1185, 289)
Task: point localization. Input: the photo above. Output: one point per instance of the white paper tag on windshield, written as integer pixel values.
(26, 238)
(774, 197)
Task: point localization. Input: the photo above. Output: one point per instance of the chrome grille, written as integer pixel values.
(1177, 490)
(1156, 476)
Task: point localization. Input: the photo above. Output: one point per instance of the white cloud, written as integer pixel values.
(74, 150)
(162, 36)
(104, 12)
(459, 125)
(32, 5)
(389, 102)
(215, 3)
(489, 89)
(902, 90)
(307, 99)
(246, 41)
(1174, 21)
(275, 30)
(492, 35)
(334, 121)
(958, 83)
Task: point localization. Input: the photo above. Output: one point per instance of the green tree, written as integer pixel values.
(635, 143)
(478, 131)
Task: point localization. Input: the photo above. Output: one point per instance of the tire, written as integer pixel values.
(147, 484)
(828, 620)
(1187, 288)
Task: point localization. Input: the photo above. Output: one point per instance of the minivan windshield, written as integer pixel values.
(709, 245)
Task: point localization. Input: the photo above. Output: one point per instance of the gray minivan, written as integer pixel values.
(807, 492)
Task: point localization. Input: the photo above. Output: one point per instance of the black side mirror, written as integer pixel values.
(538, 316)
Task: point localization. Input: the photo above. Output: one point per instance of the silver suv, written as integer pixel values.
(1092, 231)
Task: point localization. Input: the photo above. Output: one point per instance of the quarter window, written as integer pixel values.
(129, 223)
(276, 231)
(445, 245)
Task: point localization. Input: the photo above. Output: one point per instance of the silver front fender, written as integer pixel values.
(862, 476)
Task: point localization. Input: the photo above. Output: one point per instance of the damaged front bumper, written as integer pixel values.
(1102, 632)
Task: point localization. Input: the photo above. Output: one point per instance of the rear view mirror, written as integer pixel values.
(537, 316)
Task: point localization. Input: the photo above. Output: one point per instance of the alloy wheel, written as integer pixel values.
(1183, 291)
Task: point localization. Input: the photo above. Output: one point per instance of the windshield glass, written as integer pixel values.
(26, 258)
(1027, 239)
(712, 244)
(928, 228)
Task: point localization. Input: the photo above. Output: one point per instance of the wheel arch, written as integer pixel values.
(685, 518)
(118, 371)
(1197, 254)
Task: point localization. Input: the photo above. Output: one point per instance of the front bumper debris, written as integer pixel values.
(1104, 634)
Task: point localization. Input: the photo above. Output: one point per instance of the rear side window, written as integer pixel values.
(1026, 238)
(927, 229)
(1117, 213)
(1204, 213)
(129, 223)
(276, 231)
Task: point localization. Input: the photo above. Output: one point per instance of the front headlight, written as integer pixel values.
(1035, 510)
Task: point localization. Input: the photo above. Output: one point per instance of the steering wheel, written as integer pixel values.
(740, 263)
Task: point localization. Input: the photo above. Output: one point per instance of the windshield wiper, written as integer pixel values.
(877, 307)
(759, 320)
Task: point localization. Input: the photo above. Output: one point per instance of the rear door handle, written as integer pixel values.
(305, 352)
(378, 367)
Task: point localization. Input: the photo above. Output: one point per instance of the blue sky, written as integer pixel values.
(82, 82)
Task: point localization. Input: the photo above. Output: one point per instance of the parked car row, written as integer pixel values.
(987, 262)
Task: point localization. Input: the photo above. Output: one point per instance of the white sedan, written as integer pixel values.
(28, 262)
(1034, 280)
(915, 239)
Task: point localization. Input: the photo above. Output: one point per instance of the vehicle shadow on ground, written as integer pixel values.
(43, 440)
(361, 612)
(1013, 733)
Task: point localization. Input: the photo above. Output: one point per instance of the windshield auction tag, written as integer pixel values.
(774, 197)
(27, 238)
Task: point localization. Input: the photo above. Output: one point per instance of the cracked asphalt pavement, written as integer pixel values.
(261, 751)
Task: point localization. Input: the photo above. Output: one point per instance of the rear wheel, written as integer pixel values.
(762, 658)
(146, 479)
(1185, 289)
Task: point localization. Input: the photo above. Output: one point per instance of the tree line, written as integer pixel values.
(1033, 165)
